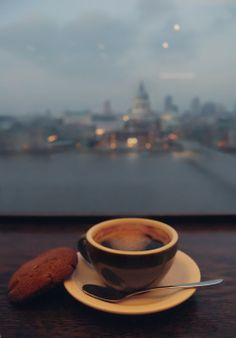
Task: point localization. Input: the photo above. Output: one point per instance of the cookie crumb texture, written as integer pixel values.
(41, 273)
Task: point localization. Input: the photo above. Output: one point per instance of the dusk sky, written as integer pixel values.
(74, 54)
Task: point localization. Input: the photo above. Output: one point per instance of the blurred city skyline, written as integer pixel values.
(62, 55)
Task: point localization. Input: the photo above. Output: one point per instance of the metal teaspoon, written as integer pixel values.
(114, 296)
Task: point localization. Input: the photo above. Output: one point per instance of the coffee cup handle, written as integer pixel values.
(82, 247)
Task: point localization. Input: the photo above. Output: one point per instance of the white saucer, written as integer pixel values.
(183, 270)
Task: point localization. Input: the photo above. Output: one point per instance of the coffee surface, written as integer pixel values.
(131, 238)
(141, 244)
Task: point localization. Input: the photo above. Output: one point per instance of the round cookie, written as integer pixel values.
(41, 273)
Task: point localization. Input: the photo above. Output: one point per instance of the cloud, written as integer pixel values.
(68, 65)
(155, 9)
(7, 3)
(68, 61)
(69, 49)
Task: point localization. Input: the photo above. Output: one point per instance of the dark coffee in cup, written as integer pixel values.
(131, 237)
(129, 253)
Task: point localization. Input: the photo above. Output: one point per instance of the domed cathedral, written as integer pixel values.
(141, 126)
(141, 105)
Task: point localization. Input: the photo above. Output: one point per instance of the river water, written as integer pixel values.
(83, 183)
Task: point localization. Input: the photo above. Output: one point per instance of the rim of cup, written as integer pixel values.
(112, 222)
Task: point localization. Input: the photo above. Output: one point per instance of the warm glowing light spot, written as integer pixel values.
(132, 142)
(52, 138)
(125, 118)
(165, 45)
(100, 131)
(148, 146)
(222, 144)
(113, 145)
(172, 137)
(176, 27)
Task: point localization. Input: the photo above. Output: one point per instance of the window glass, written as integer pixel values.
(112, 107)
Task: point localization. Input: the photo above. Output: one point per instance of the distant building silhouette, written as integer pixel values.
(141, 104)
(195, 106)
(209, 108)
(169, 106)
(107, 109)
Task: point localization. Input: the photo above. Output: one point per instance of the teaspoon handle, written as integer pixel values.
(182, 286)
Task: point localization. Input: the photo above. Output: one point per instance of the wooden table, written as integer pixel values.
(209, 313)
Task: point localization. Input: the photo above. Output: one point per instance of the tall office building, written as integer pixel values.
(195, 106)
(169, 106)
